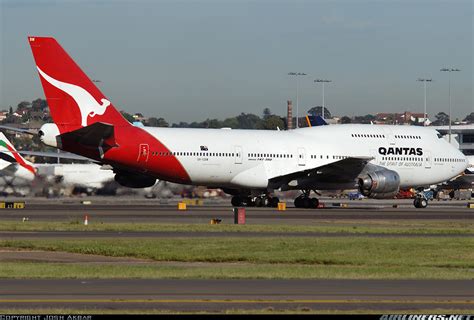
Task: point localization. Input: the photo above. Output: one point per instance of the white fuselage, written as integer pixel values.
(249, 158)
(88, 175)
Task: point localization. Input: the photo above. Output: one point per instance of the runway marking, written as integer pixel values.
(232, 301)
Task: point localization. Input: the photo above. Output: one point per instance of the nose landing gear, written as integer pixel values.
(421, 199)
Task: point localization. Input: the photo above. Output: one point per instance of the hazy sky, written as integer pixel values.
(192, 60)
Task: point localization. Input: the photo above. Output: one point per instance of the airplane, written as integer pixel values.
(248, 164)
(17, 175)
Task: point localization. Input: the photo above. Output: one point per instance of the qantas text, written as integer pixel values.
(401, 151)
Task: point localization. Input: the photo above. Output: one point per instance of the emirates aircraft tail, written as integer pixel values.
(73, 99)
(9, 155)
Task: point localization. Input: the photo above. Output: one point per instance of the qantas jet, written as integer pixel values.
(248, 164)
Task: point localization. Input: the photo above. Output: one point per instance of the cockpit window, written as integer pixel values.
(439, 135)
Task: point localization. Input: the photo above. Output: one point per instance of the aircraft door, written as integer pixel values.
(428, 160)
(238, 154)
(143, 153)
(301, 157)
(389, 136)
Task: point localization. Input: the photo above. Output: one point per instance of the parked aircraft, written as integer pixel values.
(17, 175)
(249, 164)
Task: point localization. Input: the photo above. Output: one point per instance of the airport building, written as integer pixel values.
(462, 135)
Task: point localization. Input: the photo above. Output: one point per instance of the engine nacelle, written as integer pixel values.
(380, 184)
(48, 134)
(132, 180)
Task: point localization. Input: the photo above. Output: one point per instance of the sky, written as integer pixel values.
(189, 60)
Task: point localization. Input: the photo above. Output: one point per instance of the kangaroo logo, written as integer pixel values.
(86, 102)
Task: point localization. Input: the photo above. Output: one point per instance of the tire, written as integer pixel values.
(273, 202)
(306, 203)
(416, 202)
(248, 202)
(314, 203)
(259, 202)
(298, 202)
(423, 203)
(236, 201)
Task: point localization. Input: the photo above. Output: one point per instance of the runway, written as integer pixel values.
(222, 295)
(158, 213)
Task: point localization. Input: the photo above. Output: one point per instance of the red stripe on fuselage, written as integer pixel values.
(126, 155)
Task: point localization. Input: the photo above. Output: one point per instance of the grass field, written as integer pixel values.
(347, 226)
(269, 257)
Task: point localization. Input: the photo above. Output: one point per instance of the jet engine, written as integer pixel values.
(132, 180)
(379, 184)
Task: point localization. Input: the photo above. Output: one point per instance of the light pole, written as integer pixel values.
(424, 110)
(323, 81)
(449, 93)
(296, 75)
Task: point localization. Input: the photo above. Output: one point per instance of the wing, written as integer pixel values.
(337, 174)
(61, 155)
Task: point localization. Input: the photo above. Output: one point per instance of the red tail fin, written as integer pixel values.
(74, 101)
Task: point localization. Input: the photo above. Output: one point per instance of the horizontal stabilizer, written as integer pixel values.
(93, 140)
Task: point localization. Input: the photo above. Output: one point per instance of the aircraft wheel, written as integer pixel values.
(416, 202)
(236, 201)
(259, 202)
(420, 203)
(306, 203)
(423, 203)
(249, 202)
(314, 203)
(299, 202)
(273, 202)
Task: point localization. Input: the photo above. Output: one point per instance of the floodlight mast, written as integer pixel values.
(323, 81)
(449, 70)
(296, 75)
(425, 115)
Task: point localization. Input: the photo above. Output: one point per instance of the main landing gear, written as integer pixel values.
(260, 201)
(304, 201)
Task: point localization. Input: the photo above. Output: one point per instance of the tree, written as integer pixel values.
(230, 123)
(469, 118)
(249, 121)
(442, 119)
(346, 119)
(266, 113)
(368, 118)
(127, 116)
(157, 122)
(39, 105)
(273, 122)
(23, 105)
(318, 111)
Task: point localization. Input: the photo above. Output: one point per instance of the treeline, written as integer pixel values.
(38, 112)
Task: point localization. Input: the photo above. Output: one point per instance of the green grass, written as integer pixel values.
(28, 270)
(345, 226)
(277, 257)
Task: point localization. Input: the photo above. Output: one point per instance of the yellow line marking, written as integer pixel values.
(232, 301)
